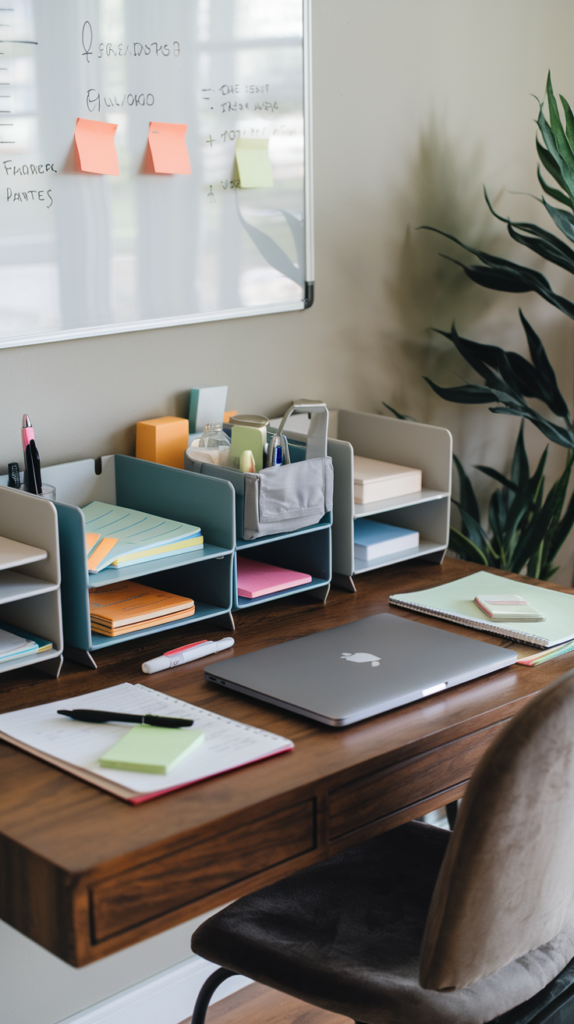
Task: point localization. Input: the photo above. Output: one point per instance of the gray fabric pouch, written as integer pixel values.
(281, 499)
(285, 498)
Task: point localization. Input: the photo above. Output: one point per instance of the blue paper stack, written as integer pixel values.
(375, 540)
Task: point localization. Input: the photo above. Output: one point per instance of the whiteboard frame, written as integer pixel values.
(229, 314)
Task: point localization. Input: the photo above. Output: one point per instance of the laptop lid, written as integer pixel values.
(348, 673)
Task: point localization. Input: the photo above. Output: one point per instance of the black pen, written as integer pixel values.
(36, 466)
(91, 715)
(29, 474)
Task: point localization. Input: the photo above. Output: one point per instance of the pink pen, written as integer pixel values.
(27, 434)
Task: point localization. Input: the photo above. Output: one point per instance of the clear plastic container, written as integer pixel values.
(213, 437)
(213, 445)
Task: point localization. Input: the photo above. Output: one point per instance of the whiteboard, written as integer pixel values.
(85, 254)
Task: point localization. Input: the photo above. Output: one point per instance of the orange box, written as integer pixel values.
(164, 440)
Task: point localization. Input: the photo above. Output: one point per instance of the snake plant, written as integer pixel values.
(525, 529)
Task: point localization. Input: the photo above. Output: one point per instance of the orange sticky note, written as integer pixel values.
(95, 146)
(167, 148)
(91, 541)
(102, 549)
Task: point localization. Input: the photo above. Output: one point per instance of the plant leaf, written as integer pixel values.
(569, 122)
(550, 430)
(399, 415)
(549, 390)
(465, 548)
(497, 515)
(555, 151)
(488, 471)
(520, 471)
(562, 218)
(554, 192)
(471, 526)
(544, 244)
(468, 394)
(562, 528)
(531, 538)
(551, 165)
(467, 495)
(562, 144)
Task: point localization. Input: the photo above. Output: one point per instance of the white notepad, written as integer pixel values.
(76, 747)
(455, 602)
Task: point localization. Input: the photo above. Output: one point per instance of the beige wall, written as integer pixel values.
(417, 103)
(382, 70)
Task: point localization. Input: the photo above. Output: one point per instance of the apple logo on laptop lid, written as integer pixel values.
(361, 656)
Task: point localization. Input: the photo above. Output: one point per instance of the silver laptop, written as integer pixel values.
(348, 673)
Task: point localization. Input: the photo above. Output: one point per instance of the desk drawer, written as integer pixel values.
(163, 885)
(371, 797)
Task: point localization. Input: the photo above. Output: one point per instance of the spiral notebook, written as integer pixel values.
(455, 603)
(76, 747)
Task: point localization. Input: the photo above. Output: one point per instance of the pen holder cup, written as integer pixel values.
(281, 499)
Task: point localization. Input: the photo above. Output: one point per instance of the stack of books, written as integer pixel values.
(130, 606)
(20, 645)
(119, 537)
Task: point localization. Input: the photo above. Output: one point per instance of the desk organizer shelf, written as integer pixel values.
(427, 511)
(205, 574)
(306, 550)
(30, 575)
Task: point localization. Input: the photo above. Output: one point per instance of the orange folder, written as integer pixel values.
(95, 146)
(167, 149)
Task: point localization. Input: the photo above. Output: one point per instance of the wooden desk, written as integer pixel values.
(84, 874)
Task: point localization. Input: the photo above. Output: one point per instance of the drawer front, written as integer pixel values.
(375, 796)
(163, 885)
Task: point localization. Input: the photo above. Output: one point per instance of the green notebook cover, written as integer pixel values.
(455, 602)
(150, 748)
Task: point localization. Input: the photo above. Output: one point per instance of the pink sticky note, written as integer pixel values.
(167, 148)
(95, 146)
(256, 579)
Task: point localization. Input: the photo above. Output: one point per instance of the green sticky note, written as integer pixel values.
(253, 164)
(151, 748)
(245, 439)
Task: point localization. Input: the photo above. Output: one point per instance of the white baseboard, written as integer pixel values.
(166, 998)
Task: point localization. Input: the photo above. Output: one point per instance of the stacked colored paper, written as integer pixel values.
(375, 540)
(130, 606)
(119, 537)
(20, 644)
(256, 579)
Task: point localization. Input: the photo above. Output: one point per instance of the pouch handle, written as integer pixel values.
(318, 427)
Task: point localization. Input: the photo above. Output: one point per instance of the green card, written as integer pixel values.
(245, 439)
(151, 748)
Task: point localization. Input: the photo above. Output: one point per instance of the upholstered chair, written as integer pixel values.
(421, 926)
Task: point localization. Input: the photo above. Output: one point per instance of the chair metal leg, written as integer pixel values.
(206, 992)
(451, 813)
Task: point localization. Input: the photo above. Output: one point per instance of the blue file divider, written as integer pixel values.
(206, 575)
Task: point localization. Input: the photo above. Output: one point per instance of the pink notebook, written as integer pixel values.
(255, 579)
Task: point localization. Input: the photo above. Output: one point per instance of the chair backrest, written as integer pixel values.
(506, 885)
